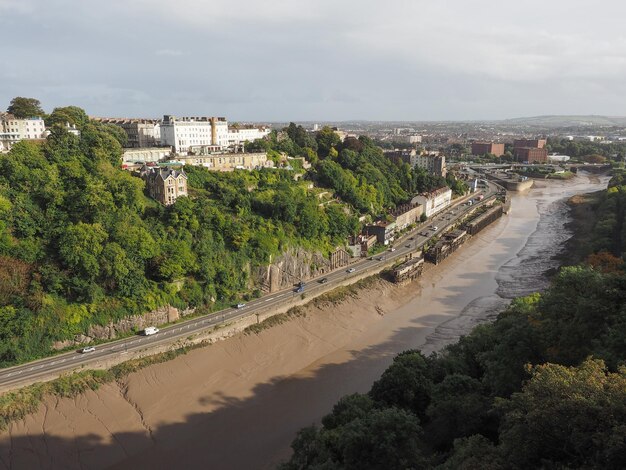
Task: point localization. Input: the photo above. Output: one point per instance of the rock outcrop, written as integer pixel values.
(124, 326)
(289, 268)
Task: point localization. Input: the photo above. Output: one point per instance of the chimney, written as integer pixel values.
(213, 131)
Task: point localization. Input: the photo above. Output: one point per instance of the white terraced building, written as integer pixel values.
(434, 201)
(239, 135)
(210, 133)
(13, 130)
(182, 133)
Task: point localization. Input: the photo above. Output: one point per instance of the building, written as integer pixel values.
(433, 164)
(407, 156)
(555, 158)
(412, 139)
(530, 150)
(13, 130)
(141, 133)
(530, 143)
(531, 155)
(434, 201)
(240, 134)
(383, 230)
(407, 214)
(183, 133)
(360, 244)
(229, 161)
(408, 270)
(165, 184)
(145, 155)
(482, 148)
(447, 245)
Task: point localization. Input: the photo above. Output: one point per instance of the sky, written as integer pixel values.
(322, 60)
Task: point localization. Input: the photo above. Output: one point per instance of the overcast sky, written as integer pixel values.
(281, 60)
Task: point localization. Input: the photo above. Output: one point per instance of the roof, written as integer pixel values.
(152, 172)
(436, 192)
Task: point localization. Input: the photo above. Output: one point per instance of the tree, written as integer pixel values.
(22, 108)
(80, 247)
(384, 439)
(68, 114)
(406, 384)
(458, 409)
(474, 453)
(376, 439)
(567, 417)
(327, 139)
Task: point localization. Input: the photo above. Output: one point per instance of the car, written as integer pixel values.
(435, 228)
(298, 290)
(411, 238)
(151, 330)
(350, 270)
(241, 305)
(379, 258)
(323, 280)
(424, 234)
(408, 246)
(392, 249)
(88, 349)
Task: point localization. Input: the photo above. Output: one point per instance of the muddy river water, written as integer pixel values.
(238, 404)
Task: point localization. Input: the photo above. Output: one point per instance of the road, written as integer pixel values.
(66, 362)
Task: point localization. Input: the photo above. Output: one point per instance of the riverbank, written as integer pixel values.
(255, 391)
(584, 217)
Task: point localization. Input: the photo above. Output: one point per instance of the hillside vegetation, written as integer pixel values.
(81, 244)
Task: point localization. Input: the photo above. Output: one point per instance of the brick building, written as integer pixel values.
(481, 148)
(530, 150)
(531, 155)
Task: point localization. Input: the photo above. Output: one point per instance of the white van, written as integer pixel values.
(151, 330)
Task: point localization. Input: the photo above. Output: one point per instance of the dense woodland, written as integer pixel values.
(80, 243)
(544, 386)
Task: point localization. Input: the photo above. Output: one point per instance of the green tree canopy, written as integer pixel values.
(22, 108)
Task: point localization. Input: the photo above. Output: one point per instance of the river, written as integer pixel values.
(239, 403)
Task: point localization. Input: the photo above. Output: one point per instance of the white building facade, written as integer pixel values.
(182, 133)
(13, 130)
(434, 201)
(239, 135)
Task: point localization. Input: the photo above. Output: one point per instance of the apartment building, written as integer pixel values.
(229, 161)
(433, 164)
(240, 134)
(13, 130)
(434, 201)
(141, 133)
(185, 132)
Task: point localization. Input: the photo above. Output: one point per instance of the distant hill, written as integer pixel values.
(567, 121)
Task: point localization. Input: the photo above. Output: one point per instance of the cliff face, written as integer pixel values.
(289, 268)
(112, 330)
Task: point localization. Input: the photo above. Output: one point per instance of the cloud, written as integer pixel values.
(16, 6)
(169, 52)
(323, 59)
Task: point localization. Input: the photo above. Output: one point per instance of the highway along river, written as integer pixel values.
(238, 403)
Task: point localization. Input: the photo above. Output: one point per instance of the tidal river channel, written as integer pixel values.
(238, 404)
